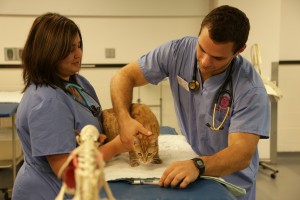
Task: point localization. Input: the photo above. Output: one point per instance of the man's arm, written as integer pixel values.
(121, 89)
(237, 156)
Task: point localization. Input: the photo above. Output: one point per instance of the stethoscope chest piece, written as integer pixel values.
(194, 85)
(223, 98)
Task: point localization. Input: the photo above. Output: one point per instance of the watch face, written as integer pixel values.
(200, 165)
(200, 162)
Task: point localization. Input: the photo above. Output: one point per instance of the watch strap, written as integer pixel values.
(199, 163)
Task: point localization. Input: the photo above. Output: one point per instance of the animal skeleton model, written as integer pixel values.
(82, 173)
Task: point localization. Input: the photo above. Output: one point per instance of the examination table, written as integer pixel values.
(201, 189)
(118, 173)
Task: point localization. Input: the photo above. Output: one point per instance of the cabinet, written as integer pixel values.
(10, 153)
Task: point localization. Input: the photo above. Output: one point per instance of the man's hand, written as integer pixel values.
(179, 173)
(130, 129)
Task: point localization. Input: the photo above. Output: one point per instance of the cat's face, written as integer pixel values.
(145, 149)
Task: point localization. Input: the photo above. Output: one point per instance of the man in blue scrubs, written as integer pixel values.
(220, 100)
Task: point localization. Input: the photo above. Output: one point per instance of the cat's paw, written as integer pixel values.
(156, 161)
(134, 164)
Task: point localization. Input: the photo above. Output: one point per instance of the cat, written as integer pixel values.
(145, 148)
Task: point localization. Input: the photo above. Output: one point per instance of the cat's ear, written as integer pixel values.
(153, 142)
(139, 136)
(136, 140)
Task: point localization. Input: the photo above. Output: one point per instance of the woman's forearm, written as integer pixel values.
(112, 148)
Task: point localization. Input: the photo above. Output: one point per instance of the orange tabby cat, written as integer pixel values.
(145, 147)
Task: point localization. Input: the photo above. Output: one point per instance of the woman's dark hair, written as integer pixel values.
(227, 24)
(49, 41)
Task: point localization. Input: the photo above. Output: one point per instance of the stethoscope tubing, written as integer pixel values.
(81, 91)
(222, 90)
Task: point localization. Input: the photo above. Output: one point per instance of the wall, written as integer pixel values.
(132, 27)
(105, 8)
(131, 37)
(290, 30)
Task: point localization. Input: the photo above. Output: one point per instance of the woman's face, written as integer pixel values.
(72, 63)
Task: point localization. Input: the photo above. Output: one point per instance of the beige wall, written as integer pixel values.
(132, 27)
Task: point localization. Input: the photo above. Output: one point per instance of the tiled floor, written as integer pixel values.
(284, 187)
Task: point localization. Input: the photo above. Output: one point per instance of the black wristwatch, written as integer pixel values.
(199, 163)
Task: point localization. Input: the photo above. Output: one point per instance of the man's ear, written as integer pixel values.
(241, 50)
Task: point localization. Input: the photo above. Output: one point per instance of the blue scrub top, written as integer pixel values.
(46, 120)
(250, 109)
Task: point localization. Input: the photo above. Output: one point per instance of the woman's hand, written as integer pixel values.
(112, 148)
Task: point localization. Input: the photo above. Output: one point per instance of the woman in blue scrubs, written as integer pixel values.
(220, 100)
(57, 103)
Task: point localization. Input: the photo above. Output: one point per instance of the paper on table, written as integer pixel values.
(172, 148)
(272, 89)
(235, 190)
(10, 97)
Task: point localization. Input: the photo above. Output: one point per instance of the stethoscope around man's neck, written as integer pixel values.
(94, 110)
(194, 86)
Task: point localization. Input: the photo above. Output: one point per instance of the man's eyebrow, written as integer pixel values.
(216, 57)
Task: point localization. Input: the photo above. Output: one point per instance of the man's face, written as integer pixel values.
(213, 58)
